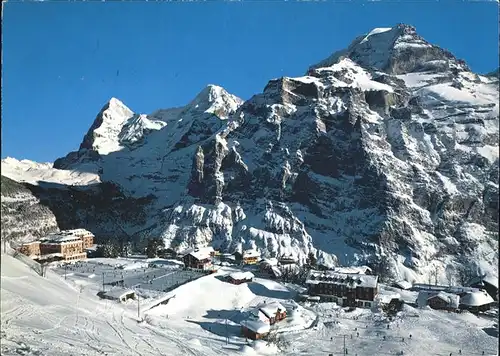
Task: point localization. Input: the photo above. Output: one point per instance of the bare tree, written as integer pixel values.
(273, 338)
(435, 274)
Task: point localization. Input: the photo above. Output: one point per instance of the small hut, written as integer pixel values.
(119, 295)
(240, 277)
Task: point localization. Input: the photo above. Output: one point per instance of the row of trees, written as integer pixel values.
(114, 247)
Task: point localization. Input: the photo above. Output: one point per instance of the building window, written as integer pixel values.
(368, 304)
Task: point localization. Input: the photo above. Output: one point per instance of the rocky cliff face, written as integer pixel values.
(24, 217)
(386, 151)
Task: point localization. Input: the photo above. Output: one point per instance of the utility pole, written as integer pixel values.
(103, 282)
(138, 307)
(227, 335)
(344, 345)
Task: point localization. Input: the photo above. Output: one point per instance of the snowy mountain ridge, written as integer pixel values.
(385, 153)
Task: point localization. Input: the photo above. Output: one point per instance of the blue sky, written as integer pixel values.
(63, 60)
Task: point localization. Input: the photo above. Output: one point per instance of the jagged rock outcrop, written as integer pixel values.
(384, 153)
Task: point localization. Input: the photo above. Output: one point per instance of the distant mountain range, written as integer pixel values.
(383, 153)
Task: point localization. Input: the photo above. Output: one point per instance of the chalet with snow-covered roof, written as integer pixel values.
(199, 258)
(354, 269)
(270, 267)
(486, 282)
(402, 284)
(250, 257)
(346, 289)
(254, 329)
(479, 301)
(443, 301)
(270, 313)
(273, 311)
(240, 277)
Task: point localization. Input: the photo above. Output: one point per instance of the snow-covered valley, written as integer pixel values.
(58, 316)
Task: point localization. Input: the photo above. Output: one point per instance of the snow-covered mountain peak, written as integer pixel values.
(103, 135)
(115, 102)
(215, 100)
(396, 50)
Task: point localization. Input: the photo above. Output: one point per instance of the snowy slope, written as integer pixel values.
(53, 316)
(33, 172)
(384, 154)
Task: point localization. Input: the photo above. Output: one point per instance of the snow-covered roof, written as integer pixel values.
(77, 232)
(488, 278)
(353, 269)
(256, 326)
(403, 284)
(251, 253)
(270, 309)
(118, 293)
(386, 298)
(447, 289)
(241, 275)
(31, 243)
(475, 299)
(451, 299)
(354, 279)
(201, 253)
(66, 236)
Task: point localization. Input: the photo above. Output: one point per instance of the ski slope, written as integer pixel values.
(51, 316)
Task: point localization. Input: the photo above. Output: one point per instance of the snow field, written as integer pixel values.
(54, 316)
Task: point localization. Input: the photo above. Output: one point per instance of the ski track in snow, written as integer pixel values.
(107, 328)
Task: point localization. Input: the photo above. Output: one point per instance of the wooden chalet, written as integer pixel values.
(240, 277)
(273, 312)
(199, 258)
(250, 257)
(345, 289)
(254, 329)
(443, 301)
